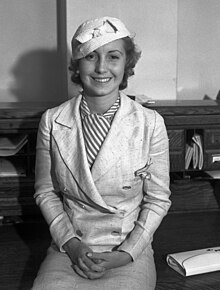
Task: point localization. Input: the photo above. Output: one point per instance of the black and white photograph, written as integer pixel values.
(109, 145)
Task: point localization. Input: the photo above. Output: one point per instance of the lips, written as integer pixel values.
(102, 80)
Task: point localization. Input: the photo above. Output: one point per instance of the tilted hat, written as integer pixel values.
(95, 33)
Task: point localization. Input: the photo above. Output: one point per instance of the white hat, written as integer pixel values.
(92, 34)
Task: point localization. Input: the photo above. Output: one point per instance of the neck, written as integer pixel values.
(100, 104)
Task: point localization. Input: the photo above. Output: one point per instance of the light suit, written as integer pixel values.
(109, 206)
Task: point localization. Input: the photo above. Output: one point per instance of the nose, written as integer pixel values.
(101, 65)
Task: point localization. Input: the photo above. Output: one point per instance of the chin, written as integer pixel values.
(100, 92)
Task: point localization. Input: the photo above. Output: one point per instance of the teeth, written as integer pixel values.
(102, 80)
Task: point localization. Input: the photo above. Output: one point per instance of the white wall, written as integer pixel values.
(29, 69)
(155, 25)
(180, 40)
(198, 49)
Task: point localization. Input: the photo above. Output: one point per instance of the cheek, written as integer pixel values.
(119, 70)
(120, 73)
(84, 69)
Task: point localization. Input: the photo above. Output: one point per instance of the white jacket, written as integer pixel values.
(109, 206)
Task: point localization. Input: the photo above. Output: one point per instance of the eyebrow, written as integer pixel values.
(112, 51)
(116, 50)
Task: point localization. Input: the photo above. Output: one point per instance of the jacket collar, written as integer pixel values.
(68, 135)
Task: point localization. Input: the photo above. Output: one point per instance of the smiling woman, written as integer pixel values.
(132, 56)
(102, 71)
(102, 214)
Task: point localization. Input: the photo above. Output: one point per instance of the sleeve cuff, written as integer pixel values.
(61, 231)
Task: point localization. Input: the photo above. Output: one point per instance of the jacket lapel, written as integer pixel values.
(69, 139)
(117, 137)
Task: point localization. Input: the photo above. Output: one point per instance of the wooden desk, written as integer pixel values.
(16, 193)
(182, 119)
(185, 232)
(192, 189)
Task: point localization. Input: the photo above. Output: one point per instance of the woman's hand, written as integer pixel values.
(82, 264)
(110, 260)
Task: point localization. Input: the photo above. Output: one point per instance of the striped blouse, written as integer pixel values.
(96, 127)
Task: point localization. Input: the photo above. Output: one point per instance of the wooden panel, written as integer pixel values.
(191, 195)
(12, 186)
(192, 121)
(177, 161)
(212, 138)
(191, 113)
(185, 107)
(176, 139)
(176, 146)
(21, 110)
(23, 206)
(10, 124)
(16, 196)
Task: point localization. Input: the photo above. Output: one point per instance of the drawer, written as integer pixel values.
(176, 139)
(212, 139)
(212, 160)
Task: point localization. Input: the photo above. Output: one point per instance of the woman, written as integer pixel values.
(102, 171)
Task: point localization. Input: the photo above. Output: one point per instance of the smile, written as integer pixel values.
(102, 80)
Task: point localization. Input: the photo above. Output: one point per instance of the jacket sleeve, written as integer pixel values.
(156, 193)
(47, 191)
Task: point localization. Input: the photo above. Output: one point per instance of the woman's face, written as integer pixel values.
(102, 70)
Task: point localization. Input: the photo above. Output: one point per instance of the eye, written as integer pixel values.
(114, 57)
(91, 57)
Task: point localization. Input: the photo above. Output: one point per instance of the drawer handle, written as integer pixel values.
(215, 158)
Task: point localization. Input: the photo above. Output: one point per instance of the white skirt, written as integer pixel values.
(56, 273)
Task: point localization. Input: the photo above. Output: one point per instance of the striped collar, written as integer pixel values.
(108, 114)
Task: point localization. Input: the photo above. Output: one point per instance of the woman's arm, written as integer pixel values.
(49, 199)
(47, 192)
(154, 206)
(156, 201)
